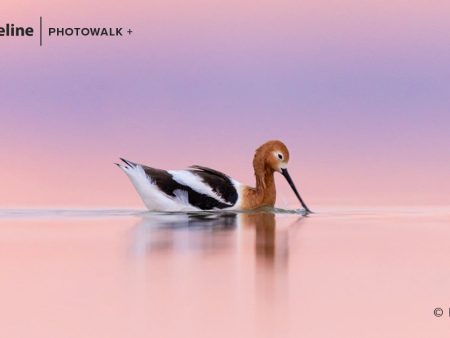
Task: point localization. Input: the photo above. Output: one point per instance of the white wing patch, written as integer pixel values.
(195, 182)
(182, 197)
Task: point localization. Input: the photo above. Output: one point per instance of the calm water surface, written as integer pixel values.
(125, 273)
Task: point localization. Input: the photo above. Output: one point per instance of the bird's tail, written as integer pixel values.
(126, 165)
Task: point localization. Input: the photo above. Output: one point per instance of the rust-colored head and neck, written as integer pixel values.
(269, 158)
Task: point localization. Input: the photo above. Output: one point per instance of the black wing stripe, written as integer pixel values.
(168, 185)
(220, 183)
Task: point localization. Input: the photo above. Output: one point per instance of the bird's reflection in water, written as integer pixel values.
(232, 235)
(183, 232)
(212, 231)
(272, 260)
(271, 248)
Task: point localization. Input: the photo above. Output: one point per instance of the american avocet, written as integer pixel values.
(200, 188)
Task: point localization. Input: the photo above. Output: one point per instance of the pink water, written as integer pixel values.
(337, 273)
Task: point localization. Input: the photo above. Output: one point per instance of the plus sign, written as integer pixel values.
(129, 31)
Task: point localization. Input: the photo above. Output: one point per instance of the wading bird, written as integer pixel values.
(200, 188)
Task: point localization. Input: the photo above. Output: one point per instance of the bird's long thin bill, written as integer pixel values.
(288, 178)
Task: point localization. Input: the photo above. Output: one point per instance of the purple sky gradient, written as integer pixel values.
(359, 93)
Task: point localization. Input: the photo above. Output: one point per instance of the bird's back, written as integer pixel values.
(192, 189)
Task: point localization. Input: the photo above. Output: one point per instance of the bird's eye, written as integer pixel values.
(280, 156)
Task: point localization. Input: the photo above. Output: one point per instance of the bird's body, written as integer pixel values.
(200, 188)
(192, 189)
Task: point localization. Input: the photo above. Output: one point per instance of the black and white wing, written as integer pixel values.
(222, 185)
(198, 187)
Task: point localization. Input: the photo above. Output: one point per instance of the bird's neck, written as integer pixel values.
(267, 193)
(264, 194)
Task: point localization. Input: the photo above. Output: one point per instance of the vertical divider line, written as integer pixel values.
(40, 30)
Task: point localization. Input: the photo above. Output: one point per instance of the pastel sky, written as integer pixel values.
(358, 90)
